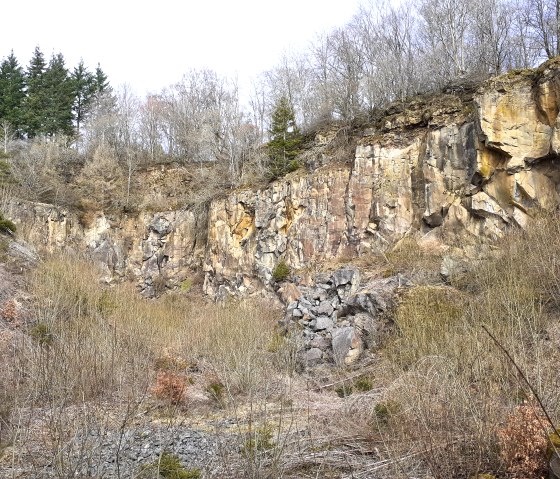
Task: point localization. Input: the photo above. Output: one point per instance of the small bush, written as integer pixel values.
(159, 283)
(7, 226)
(343, 390)
(186, 285)
(523, 442)
(553, 444)
(293, 166)
(169, 466)
(6, 176)
(363, 384)
(384, 411)
(107, 303)
(281, 271)
(41, 334)
(260, 440)
(170, 387)
(216, 390)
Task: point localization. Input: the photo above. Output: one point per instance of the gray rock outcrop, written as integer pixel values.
(338, 317)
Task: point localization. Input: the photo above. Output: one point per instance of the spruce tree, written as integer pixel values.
(36, 100)
(12, 94)
(84, 90)
(59, 91)
(285, 139)
(101, 81)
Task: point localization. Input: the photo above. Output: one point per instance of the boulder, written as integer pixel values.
(289, 293)
(346, 276)
(321, 323)
(313, 356)
(347, 345)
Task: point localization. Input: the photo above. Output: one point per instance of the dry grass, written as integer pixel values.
(419, 260)
(100, 339)
(112, 354)
(455, 388)
(442, 394)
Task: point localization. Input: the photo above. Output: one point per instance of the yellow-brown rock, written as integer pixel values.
(459, 167)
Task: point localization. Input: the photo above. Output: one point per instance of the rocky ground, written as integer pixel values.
(115, 454)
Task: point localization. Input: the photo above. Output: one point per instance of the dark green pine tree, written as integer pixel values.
(104, 98)
(59, 90)
(85, 88)
(12, 95)
(101, 81)
(285, 139)
(36, 100)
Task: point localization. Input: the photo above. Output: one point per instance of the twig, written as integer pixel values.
(348, 378)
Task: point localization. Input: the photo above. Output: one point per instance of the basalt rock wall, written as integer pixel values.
(156, 250)
(459, 167)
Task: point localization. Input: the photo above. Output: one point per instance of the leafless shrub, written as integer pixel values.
(170, 387)
(523, 442)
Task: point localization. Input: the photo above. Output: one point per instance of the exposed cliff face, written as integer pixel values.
(153, 249)
(449, 167)
(457, 167)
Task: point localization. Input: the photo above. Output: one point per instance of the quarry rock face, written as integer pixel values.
(460, 167)
(157, 250)
(457, 167)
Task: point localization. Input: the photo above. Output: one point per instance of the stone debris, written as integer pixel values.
(115, 454)
(339, 317)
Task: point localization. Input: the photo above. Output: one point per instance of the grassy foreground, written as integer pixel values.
(441, 399)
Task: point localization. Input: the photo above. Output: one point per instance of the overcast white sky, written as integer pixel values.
(150, 45)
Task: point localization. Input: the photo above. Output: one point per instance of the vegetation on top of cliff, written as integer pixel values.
(513, 77)
(455, 104)
(361, 74)
(285, 140)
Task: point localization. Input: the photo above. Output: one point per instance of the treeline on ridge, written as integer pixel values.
(46, 98)
(385, 53)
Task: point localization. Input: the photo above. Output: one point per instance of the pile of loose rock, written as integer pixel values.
(339, 317)
(114, 454)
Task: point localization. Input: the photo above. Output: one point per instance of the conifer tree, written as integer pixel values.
(101, 81)
(12, 95)
(59, 91)
(36, 101)
(285, 139)
(84, 89)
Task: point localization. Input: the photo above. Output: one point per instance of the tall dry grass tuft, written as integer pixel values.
(93, 357)
(455, 389)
